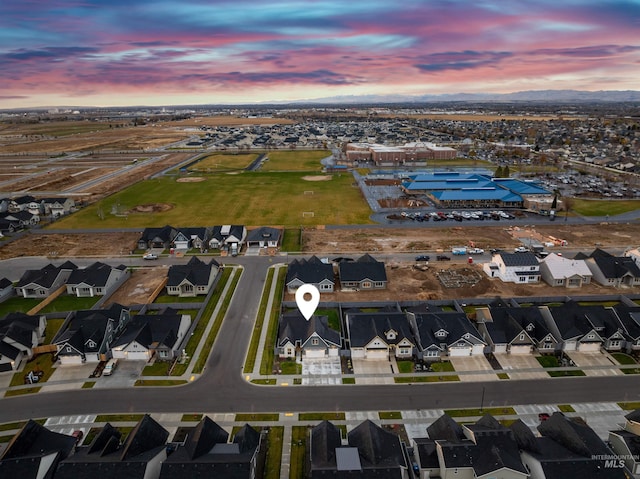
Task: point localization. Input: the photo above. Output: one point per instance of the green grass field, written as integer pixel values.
(296, 160)
(603, 207)
(220, 161)
(246, 198)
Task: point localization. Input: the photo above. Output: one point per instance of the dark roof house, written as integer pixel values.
(362, 274)
(310, 271)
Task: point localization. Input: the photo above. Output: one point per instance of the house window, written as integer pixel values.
(590, 336)
(405, 351)
(614, 343)
(379, 284)
(432, 354)
(289, 352)
(366, 285)
(522, 337)
(532, 278)
(163, 354)
(326, 287)
(522, 279)
(315, 341)
(69, 349)
(533, 268)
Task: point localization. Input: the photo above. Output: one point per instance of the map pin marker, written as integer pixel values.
(307, 307)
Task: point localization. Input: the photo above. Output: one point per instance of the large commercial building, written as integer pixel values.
(461, 190)
(408, 154)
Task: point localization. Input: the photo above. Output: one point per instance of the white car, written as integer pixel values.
(150, 256)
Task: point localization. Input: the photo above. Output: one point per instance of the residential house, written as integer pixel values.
(157, 237)
(90, 334)
(57, 207)
(228, 237)
(567, 448)
(370, 451)
(515, 330)
(9, 225)
(629, 317)
(40, 283)
(191, 238)
(365, 273)
(559, 271)
(23, 218)
(513, 267)
(19, 334)
(139, 457)
(264, 237)
(379, 335)
(4, 204)
(300, 339)
(312, 271)
(35, 452)
(634, 254)
(22, 203)
(95, 280)
(192, 279)
(445, 334)
(148, 335)
(207, 452)
(484, 449)
(585, 327)
(610, 270)
(6, 289)
(626, 442)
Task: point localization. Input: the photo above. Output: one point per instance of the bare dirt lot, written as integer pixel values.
(139, 287)
(70, 245)
(346, 240)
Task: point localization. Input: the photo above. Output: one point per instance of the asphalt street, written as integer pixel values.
(222, 387)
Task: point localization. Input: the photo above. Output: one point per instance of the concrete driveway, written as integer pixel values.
(520, 366)
(66, 377)
(584, 360)
(125, 375)
(369, 371)
(321, 371)
(477, 364)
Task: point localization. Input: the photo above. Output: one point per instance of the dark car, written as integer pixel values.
(341, 259)
(443, 257)
(422, 257)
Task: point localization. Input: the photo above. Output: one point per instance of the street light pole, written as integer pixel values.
(482, 400)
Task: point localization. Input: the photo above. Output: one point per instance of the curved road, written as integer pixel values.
(222, 388)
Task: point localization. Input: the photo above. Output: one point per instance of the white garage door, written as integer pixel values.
(377, 354)
(589, 347)
(523, 349)
(314, 353)
(138, 355)
(457, 352)
(74, 360)
(478, 349)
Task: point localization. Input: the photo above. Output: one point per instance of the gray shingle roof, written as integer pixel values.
(365, 267)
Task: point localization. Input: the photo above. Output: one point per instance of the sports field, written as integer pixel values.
(298, 160)
(249, 198)
(220, 161)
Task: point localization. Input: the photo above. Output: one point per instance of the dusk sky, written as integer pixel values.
(162, 52)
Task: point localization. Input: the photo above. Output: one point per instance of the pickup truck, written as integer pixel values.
(150, 256)
(475, 251)
(521, 249)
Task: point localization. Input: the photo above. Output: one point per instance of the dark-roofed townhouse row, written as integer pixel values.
(365, 273)
(36, 452)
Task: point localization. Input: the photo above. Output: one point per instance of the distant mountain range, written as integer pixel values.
(560, 96)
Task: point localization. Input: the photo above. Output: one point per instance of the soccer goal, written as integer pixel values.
(308, 192)
(308, 214)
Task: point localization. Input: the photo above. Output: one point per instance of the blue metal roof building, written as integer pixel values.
(458, 190)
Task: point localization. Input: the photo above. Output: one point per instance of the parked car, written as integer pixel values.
(443, 257)
(521, 249)
(422, 257)
(111, 366)
(150, 256)
(543, 416)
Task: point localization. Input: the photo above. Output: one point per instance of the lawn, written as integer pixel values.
(603, 207)
(623, 358)
(68, 302)
(291, 240)
(548, 361)
(18, 305)
(251, 198)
